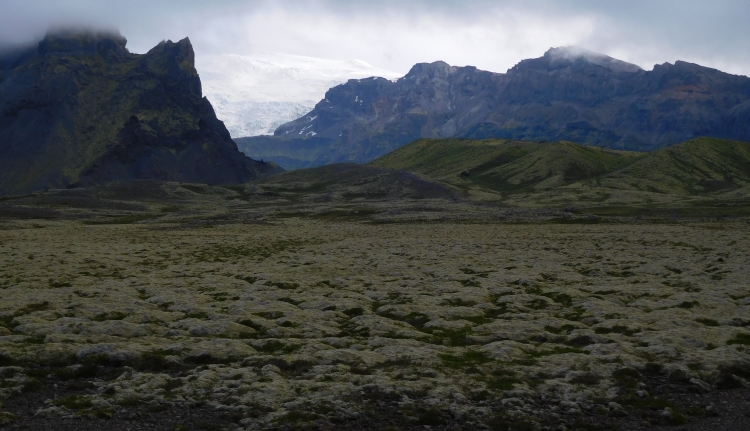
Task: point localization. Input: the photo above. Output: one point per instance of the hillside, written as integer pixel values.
(80, 109)
(703, 176)
(568, 94)
(349, 182)
(506, 166)
(699, 166)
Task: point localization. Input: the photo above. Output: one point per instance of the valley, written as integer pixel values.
(356, 296)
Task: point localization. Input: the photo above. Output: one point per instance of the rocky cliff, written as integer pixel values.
(568, 94)
(80, 109)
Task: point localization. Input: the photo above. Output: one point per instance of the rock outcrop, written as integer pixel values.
(80, 109)
(568, 94)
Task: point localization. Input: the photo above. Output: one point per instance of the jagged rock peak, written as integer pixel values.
(567, 54)
(435, 69)
(83, 41)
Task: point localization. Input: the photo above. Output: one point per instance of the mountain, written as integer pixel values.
(568, 94)
(253, 95)
(80, 109)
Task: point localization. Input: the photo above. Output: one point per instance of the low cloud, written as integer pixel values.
(492, 35)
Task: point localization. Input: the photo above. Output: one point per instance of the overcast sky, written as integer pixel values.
(395, 34)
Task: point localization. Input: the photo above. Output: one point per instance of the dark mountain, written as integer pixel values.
(568, 94)
(79, 109)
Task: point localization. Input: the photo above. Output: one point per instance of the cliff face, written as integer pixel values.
(79, 109)
(568, 94)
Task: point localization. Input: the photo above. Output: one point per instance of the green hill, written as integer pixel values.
(696, 167)
(506, 166)
(349, 181)
(700, 177)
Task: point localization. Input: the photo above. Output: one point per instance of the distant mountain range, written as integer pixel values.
(253, 95)
(568, 94)
(80, 109)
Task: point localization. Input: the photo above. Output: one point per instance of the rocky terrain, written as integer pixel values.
(361, 297)
(79, 109)
(568, 94)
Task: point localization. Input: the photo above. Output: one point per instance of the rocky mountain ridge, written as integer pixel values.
(568, 94)
(80, 109)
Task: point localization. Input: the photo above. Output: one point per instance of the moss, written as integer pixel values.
(270, 315)
(129, 402)
(562, 329)
(467, 359)
(156, 360)
(351, 329)
(248, 279)
(502, 380)
(290, 301)
(586, 379)
(283, 285)
(459, 302)
(582, 425)
(7, 418)
(561, 298)
(129, 219)
(9, 322)
(617, 329)
(298, 416)
(112, 315)
(743, 339)
(627, 377)
(503, 422)
(275, 346)
(537, 304)
(99, 412)
(251, 324)
(708, 322)
(430, 417)
(353, 312)
(73, 402)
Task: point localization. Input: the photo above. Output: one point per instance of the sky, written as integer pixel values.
(395, 34)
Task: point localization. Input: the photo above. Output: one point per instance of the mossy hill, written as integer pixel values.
(352, 182)
(80, 109)
(700, 166)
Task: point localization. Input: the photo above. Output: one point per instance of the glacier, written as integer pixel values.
(254, 94)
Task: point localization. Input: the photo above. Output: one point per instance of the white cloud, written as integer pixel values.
(395, 34)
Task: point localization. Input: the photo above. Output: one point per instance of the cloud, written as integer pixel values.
(391, 34)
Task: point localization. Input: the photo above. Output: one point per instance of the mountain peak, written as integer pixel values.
(85, 41)
(567, 54)
(434, 69)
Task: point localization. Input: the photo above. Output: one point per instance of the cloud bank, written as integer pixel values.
(492, 35)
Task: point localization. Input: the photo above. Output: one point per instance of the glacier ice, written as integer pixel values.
(257, 93)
